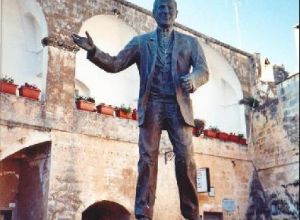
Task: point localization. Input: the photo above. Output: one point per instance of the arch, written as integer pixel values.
(217, 102)
(23, 27)
(25, 177)
(110, 34)
(106, 210)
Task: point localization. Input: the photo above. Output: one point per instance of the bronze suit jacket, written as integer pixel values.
(187, 58)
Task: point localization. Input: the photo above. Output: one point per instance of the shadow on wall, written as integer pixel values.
(106, 210)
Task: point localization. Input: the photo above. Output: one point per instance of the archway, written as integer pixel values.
(217, 102)
(24, 179)
(110, 34)
(106, 210)
(22, 57)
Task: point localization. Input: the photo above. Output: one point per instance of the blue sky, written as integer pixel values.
(265, 26)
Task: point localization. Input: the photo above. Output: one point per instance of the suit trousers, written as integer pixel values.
(165, 116)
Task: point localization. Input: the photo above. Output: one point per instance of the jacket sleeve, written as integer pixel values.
(200, 73)
(113, 64)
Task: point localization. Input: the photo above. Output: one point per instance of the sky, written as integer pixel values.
(263, 26)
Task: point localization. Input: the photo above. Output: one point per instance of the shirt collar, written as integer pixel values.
(165, 32)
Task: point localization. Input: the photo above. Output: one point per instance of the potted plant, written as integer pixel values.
(135, 115)
(124, 112)
(7, 85)
(233, 138)
(223, 136)
(105, 109)
(85, 103)
(30, 91)
(242, 140)
(199, 127)
(212, 132)
(251, 102)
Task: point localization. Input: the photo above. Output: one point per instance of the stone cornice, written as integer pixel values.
(60, 43)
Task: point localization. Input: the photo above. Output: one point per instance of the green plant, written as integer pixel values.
(240, 135)
(251, 102)
(7, 79)
(125, 109)
(199, 123)
(88, 99)
(31, 86)
(214, 128)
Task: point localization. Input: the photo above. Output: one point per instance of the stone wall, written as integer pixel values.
(275, 131)
(93, 157)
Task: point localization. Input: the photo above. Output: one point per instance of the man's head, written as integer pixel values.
(165, 12)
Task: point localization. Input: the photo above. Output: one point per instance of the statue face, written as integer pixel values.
(165, 13)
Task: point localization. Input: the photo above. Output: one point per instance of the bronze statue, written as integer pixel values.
(164, 59)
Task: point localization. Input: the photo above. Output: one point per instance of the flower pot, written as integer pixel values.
(105, 110)
(223, 136)
(123, 114)
(135, 115)
(210, 134)
(234, 138)
(243, 141)
(9, 88)
(85, 105)
(29, 92)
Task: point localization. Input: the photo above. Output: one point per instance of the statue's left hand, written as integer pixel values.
(85, 43)
(187, 83)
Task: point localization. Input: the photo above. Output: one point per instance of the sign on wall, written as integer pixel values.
(203, 180)
(229, 205)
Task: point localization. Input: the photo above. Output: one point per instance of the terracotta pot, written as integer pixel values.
(243, 141)
(29, 92)
(210, 133)
(223, 136)
(234, 138)
(9, 88)
(85, 105)
(123, 114)
(135, 115)
(105, 110)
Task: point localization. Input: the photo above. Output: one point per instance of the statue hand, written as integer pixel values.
(187, 83)
(85, 43)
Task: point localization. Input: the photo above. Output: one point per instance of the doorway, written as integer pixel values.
(5, 214)
(106, 210)
(213, 216)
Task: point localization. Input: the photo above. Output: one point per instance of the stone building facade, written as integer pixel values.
(57, 161)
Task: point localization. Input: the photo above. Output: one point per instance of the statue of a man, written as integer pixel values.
(171, 66)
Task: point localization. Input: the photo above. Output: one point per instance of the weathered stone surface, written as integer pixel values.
(94, 157)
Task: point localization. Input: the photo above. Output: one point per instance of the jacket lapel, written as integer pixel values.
(152, 47)
(175, 56)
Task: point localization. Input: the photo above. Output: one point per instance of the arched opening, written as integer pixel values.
(23, 57)
(106, 210)
(24, 180)
(217, 102)
(110, 34)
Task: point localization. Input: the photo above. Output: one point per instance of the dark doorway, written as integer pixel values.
(5, 215)
(24, 183)
(213, 216)
(106, 210)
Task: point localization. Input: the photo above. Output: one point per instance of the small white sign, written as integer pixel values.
(203, 180)
(12, 205)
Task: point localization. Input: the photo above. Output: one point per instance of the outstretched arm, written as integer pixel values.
(113, 64)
